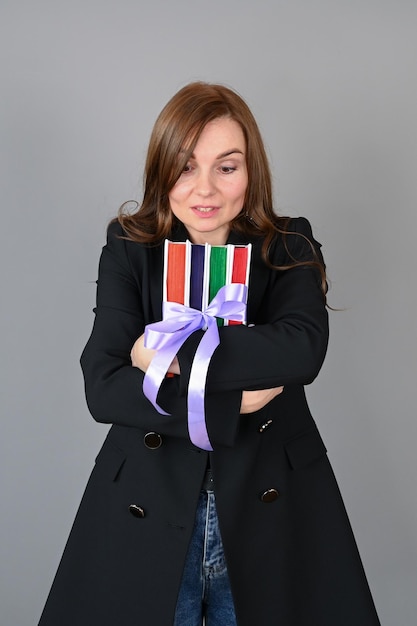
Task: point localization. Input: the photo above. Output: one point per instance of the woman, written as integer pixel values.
(253, 533)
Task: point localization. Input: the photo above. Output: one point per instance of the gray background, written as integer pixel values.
(333, 86)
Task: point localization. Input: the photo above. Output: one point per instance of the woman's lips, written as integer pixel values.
(205, 211)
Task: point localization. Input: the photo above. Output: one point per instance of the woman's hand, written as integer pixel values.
(255, 400)
(141, 357)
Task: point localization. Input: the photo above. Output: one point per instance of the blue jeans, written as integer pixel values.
(205, 588)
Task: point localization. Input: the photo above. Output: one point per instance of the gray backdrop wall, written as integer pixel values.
(333, 86)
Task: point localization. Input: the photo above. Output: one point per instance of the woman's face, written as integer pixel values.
(211, 189)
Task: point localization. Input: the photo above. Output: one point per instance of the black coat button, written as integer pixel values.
(152, 440)
(264, 426)
(136, 510)
(270, 495)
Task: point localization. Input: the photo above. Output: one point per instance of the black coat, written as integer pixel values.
(292, 561)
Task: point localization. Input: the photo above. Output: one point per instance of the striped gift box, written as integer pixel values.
(194, 273)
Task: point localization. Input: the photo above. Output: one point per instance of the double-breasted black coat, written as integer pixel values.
(292, 561)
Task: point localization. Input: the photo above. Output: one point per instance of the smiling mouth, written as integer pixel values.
(205, 209)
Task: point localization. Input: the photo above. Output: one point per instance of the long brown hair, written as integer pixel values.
(173, 139)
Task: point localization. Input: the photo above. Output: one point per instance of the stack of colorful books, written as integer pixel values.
(194, 273)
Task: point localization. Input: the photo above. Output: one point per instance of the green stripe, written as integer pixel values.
(218, 261)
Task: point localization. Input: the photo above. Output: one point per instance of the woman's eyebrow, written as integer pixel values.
(229, 152)
(220, 156)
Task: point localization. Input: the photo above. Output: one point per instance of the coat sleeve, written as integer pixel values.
(113, 387)
(290, 347)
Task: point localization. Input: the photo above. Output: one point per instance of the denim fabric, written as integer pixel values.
(205, 588)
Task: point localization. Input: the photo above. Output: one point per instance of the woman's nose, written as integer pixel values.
(205, 184)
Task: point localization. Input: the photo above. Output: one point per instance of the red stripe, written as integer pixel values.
(176, 272)
(240, 260)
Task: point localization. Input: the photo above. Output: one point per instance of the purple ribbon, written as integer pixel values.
(179, 322)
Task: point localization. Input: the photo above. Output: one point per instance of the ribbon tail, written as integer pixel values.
(196, 387)
(156, 372)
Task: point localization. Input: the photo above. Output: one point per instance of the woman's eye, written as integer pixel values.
(187, 168)
(227, 169)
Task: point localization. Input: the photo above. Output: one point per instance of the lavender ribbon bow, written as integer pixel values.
(179, 322)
